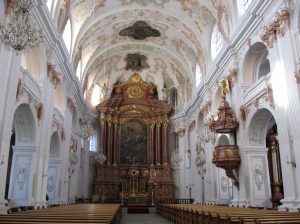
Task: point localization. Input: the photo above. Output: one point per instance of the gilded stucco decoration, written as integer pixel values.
(20, 90)
(135, 92)
(222, 11)
(139, 31)
(269, 96)
(244, 111)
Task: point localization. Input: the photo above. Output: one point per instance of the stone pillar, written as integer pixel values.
(158, 142)
(152, 124)
(115, 141)
(165, 146)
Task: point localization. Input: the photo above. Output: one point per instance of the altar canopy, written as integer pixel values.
(134, 138)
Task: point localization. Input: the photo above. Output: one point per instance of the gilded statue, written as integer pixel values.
(224, 87)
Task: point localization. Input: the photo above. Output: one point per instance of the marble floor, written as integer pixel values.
(150, 218)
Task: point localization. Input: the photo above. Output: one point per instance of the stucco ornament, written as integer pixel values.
(200, 160)
(100, 157)
(73, 158)
(22, 175)
(256, 131)
(50, 183)
(145, 2)
(224, 184)
(175, 159)
(165, 93)
(258, 176)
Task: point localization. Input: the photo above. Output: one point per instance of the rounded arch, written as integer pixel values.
(35, 63)
(249, 60)
(54, 146)
(257, 125)
(60, 100)
(25, 124)
(199, 121)
(222, 140)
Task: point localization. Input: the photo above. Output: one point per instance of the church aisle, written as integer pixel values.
(150, 218)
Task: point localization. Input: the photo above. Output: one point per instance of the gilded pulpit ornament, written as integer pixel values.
(225, 156)
(139, 31)
(135, 92)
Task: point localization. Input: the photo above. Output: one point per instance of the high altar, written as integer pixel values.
(134, 138)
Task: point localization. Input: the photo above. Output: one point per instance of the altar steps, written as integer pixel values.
(138, 210)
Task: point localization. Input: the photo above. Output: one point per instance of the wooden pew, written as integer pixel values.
(79, 213)
(224, 215)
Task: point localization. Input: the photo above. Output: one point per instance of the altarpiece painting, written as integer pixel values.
(134, 143)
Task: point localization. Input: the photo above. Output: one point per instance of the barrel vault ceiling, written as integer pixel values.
(173, 35)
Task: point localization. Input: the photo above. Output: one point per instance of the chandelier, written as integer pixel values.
(18, 32)
(86, 130)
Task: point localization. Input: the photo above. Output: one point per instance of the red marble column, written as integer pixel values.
(158, 143)
(102, 132)
(115, 143)
(109, 141)
(165, 142)
(152, 124)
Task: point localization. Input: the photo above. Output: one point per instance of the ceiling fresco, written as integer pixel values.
(172, 37)
(139, 31)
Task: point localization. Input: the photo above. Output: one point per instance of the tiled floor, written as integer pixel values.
(150, 218)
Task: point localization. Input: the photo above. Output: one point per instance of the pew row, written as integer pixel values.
(78, 213)
(204, 214)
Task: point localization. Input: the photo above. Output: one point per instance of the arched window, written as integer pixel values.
(216, 42)
(49, 5)
(78, 70)
(93, 144)
(96, 95)
(243, 6)
(173, 100)
(198, 75)
(264, 67)
(67, 35)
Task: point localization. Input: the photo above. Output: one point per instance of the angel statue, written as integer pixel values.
(165, 93)
(104, 90)
(224, 87)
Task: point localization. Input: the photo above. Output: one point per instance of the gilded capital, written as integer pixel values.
(152, 124)
(165, 123)
(102, 121)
